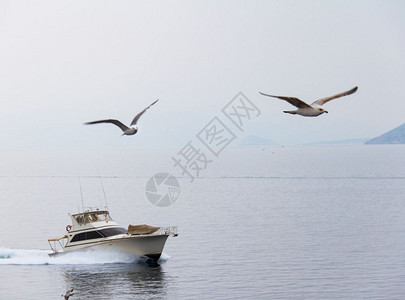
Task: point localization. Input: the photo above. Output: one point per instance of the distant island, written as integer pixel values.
(253, 140)
(394, 136)
(358, 141)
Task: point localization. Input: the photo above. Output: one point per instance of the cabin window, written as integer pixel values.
(87, 236)
(104, 217)
(112, 231)
(79, 219)
(92, 217)
(98, 234)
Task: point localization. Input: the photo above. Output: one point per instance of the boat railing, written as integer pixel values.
(57, 245)
(171, 230)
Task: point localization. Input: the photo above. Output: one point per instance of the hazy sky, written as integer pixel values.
(63, 63)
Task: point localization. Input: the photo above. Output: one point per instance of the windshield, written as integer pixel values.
(90, 217)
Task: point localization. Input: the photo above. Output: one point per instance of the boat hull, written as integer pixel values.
(150, 246)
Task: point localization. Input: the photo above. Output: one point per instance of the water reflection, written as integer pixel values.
(117, 281)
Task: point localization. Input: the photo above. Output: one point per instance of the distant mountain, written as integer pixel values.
(341, 142)
(253, 140)
(394, 136)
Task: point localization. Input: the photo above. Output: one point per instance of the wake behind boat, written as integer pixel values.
(95, 229)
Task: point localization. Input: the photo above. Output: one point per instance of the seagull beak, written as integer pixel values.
(326, 111)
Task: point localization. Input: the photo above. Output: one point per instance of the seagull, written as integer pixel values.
(127, 130)
(312, 110)
(68, 294)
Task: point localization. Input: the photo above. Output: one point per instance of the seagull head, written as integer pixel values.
(322, 110)
(131, 130)
(134, 129)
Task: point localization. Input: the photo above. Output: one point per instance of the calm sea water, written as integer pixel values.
(259, 223)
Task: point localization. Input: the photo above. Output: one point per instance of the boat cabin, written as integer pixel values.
(93, 224)
(91, 217)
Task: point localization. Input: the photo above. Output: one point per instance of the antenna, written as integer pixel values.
(102, 187)
(81, 192)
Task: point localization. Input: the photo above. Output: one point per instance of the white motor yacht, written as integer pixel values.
(96, 229)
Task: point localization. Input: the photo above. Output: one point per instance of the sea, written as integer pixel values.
(271, 222)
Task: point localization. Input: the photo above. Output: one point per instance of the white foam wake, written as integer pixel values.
(41, 257)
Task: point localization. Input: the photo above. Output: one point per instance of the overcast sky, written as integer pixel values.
(63, 63)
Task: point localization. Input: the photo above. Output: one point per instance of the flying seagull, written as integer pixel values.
(312, 110)
(127, 130)
(68, 294)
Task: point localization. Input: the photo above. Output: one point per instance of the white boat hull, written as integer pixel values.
(150, 246)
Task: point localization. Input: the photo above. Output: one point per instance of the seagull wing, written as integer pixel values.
(141, 113)
(112, 121)
(324, 100)
(68, 294)
(292, 100)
